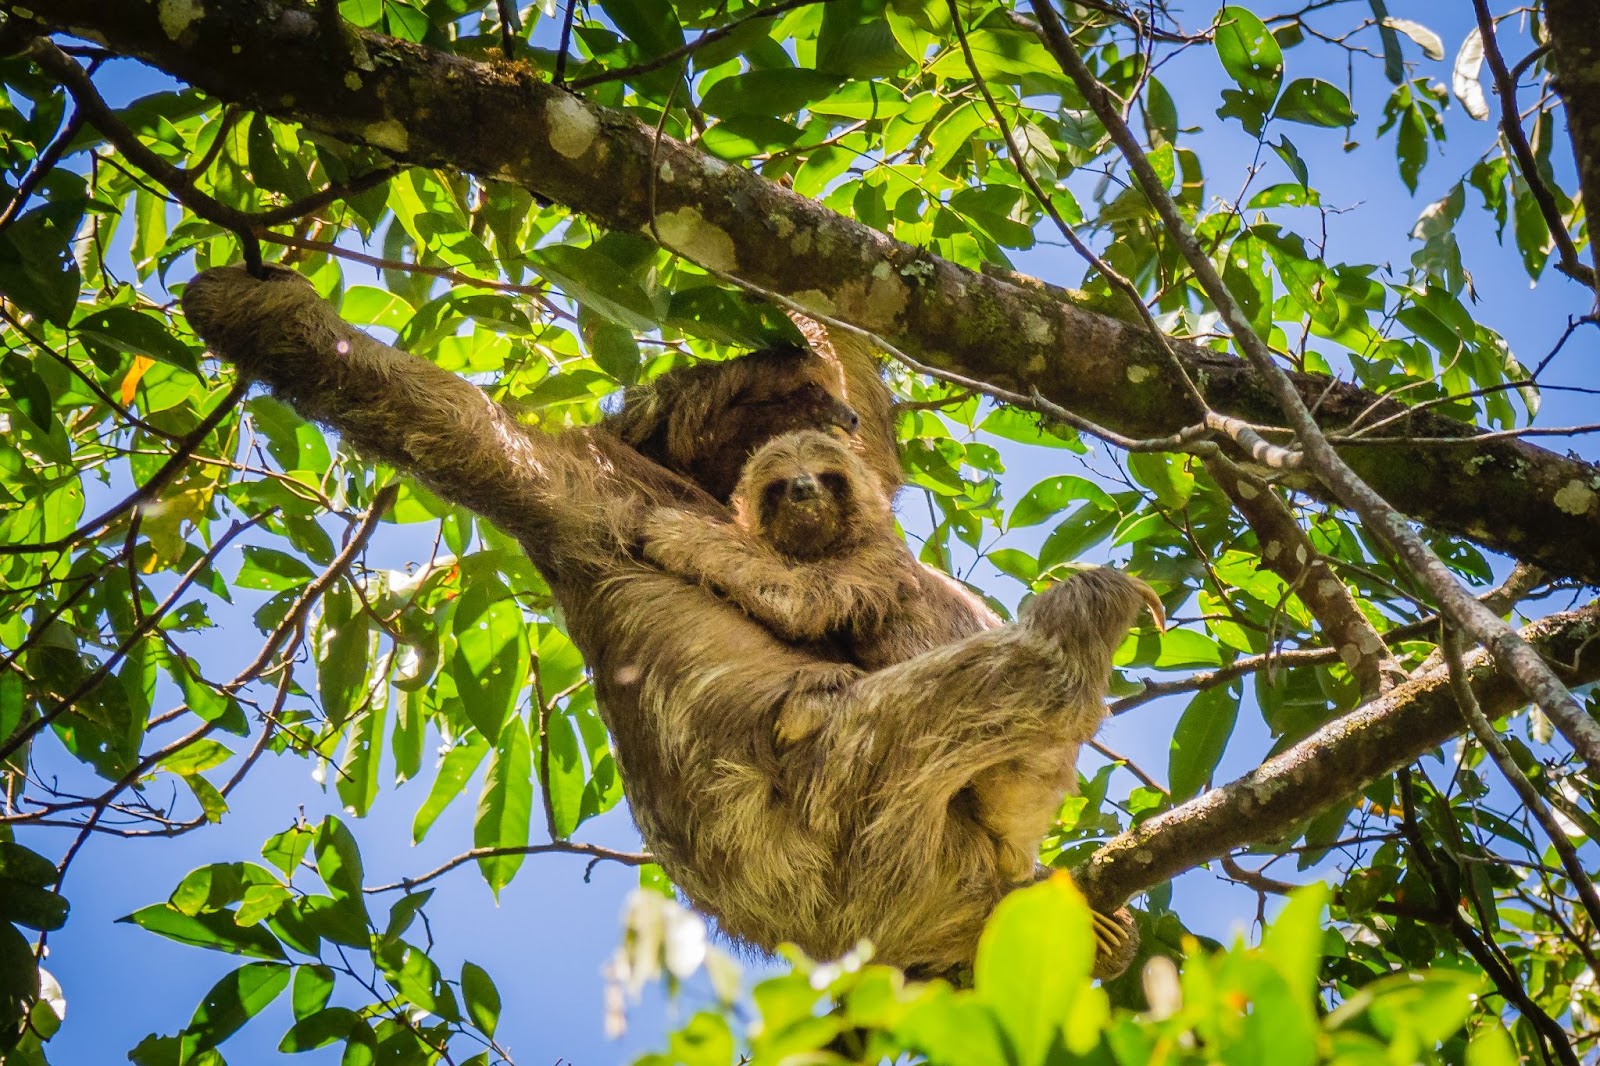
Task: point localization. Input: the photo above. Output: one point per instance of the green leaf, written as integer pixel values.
(768, 93)
(214, 929)
(1294, 940)
(403, 911)
(109, 330)
(19, 977)
(483, 999)
(1199, 740)
(285, 850)
(1250, 55)
(460, 762)
(1052, 495)
(1491, 1046)
(313, 985)
(505, 808)
(357, 781)
(650, 25)
(410, 734)
(948, 1029)
(1033, 965)
(597, 282)
(37, 267)
(196, 757)
(338, 860)
(232, 1001)
(36, 908)
(1168, 476)
(491, 660)
(417, 978)
(343, 645)
(321, 1029)
(1315, 103)
(271, 570)
(18, 863)
(566, 773)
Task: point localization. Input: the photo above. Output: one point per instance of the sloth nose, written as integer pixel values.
(803, 488)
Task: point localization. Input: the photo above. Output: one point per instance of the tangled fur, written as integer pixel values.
(859, 829)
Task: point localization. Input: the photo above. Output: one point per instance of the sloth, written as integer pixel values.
(858, 830)
(812, 553)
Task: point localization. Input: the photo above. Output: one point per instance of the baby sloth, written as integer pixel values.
(813, 554)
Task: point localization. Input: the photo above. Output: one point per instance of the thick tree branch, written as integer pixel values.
(1331, 764)
(425, 107)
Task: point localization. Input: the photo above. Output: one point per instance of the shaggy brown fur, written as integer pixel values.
(705, 420)
(813, 554)
(854, 832)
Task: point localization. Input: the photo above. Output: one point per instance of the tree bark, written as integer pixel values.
(1331, 764)
(1574, 28)
(497, 120)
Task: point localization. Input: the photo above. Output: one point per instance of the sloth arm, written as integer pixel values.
(798, 602)
(931, 724)
(566, 497)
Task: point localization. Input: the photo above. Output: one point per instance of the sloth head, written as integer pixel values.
(705, 420)
(809, 496)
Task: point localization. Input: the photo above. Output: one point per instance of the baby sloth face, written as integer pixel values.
(809, 496)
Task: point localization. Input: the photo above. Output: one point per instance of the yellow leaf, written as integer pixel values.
(141, 363)
(163, 522)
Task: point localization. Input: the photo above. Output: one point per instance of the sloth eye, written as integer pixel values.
(836, 484)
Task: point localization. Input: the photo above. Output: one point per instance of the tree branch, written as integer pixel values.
(424, 107)
(1378, 515)
(1334, 762)
(1574, 27)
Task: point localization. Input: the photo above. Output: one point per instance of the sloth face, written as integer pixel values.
(706, 420)
(808, 495)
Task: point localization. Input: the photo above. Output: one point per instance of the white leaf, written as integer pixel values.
(1464, 79)
(1426, 39)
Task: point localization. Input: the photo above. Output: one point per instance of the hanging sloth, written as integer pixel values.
(895, 803)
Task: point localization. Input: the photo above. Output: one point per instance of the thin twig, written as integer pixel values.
(657, 62)
(1461, 686)
(557, 847)
(145, 492)
(1505, 86)
(42, 166)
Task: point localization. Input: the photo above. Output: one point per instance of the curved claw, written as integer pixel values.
(1157, 610)
(1116, 940)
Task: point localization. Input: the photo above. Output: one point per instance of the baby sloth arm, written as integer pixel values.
(797, 601)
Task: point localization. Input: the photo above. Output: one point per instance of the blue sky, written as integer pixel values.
(546, 940)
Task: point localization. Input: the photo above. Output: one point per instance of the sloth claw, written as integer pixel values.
(1116, 940)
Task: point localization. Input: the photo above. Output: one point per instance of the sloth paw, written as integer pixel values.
(1116, 941)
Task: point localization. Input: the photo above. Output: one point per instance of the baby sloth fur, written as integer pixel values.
(813, 554)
